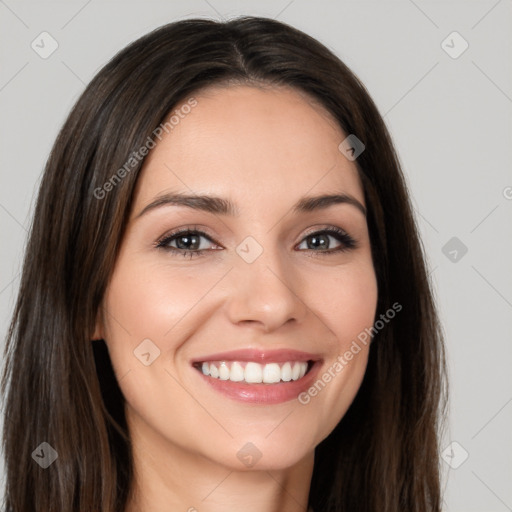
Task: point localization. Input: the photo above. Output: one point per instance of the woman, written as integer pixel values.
(292, 361)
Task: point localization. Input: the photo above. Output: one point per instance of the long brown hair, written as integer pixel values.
(59, 387)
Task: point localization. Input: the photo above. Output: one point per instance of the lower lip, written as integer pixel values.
(264, 393)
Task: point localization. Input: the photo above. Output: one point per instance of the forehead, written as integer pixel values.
(253, 143)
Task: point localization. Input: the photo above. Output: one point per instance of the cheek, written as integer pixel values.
(152, 302)
(156, 302)
(148, 301)
(346, 301)
(346, 305)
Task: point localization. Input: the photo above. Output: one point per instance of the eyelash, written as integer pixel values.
(347, 242)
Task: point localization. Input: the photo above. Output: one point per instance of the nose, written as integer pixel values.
(266, 294)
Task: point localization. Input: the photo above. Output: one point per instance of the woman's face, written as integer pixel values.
(281, 285)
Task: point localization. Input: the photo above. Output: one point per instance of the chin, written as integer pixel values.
(266, 452)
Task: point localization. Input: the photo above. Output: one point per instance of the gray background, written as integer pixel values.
(451, 122)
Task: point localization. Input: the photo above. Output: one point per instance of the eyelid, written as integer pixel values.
(320, 229)
(174, 233)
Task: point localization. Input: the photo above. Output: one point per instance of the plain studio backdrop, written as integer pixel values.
(440, 73)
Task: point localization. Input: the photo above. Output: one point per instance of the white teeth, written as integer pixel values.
(295, 371)
(255, 373)
(286, 372)
(223, 371)
(237, 372)
(271, 373)
(214, 372)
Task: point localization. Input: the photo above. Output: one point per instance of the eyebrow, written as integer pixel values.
(222, 206)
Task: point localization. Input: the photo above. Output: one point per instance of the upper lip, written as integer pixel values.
(259, 356)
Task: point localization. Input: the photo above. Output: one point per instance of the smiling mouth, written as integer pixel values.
(249, 372)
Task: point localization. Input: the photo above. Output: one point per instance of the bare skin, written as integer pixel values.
(263, 149)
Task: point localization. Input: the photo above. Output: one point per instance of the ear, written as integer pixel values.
(99, 328)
